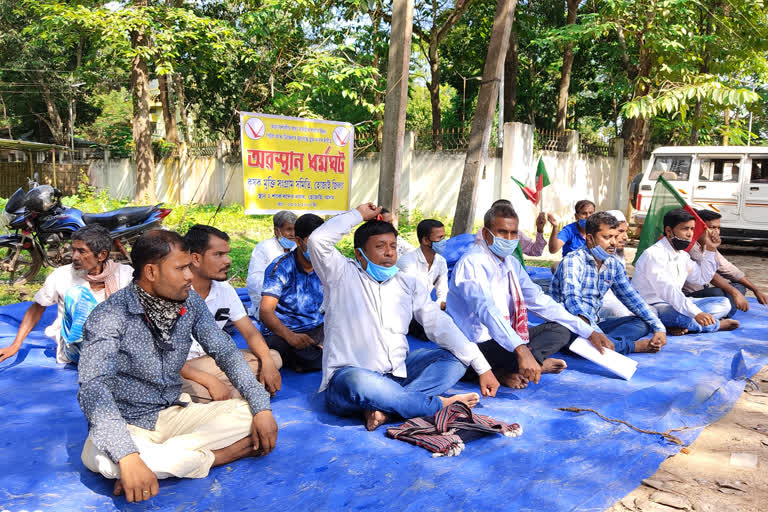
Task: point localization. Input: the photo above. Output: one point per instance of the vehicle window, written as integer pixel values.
(672, 168)
(759, 171)
(722, 170)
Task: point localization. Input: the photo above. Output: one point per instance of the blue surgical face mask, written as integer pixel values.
(600, 254)
(306, 255)
(379, 272)
(583, 223)
(440, 246)
(502, 247)
(285, 243)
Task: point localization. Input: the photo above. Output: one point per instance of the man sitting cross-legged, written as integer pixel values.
(367, 366)
(489, 297)
(588, 273)
(664, 268)
(141, 427)
(76, 289)
(291, 300)
(729, 281)
(202, 379)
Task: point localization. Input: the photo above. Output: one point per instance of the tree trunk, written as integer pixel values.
(142, 129)
(434, 96)
(510, 78)
(53, 119)
(482, 121)
(637, 137)
(5, 117)
(181, 101)
(565, 76)
(169, 111)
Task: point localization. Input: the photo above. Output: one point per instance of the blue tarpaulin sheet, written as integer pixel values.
(562, 462)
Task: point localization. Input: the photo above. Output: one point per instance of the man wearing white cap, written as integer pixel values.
(612, 306)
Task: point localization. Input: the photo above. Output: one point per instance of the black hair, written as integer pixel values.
(153, 246)
(581, 204)
(598, 219)
(198, 237)
(425, 227)
(384, 211)
(676, 217)
(95, 237)
(306, 224)
(372, 228)
(502, 210)
(707, 215)
(501, 201)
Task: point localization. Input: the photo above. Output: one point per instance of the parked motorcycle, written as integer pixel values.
(41, 231)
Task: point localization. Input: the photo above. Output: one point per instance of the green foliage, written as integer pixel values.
(112, 126)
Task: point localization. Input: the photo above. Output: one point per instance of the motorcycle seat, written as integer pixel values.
(127, 216)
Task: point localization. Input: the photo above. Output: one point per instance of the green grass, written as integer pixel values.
(245, 232)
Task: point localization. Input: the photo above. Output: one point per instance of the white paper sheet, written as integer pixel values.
(612, 361)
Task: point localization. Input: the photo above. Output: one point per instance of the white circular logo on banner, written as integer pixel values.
(254, 128)
(341, 136)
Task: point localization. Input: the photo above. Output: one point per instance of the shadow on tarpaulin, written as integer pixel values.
(563, 461)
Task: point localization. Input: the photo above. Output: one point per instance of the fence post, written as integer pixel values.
(572, 142)
(516, 160)
(621, 176)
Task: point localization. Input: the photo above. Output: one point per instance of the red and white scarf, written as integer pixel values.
(108, 276)
(519, 318)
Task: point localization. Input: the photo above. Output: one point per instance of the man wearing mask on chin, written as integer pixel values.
(489, 296)
(367, 366)
(265, 253)
(664, 268)
(585, 276)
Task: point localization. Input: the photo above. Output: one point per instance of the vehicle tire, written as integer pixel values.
(634, 188)
(26, 267)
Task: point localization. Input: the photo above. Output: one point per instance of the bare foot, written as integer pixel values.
(471, 399)
(237, 450)
(551, 365)
(676, 331)
(118, 490)
(728, 324)
(644, 346)
(513, 380)
(374, 419)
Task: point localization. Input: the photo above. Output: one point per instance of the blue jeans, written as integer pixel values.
(714, 291)
(625, 331)
(430, 372)
(718, 307)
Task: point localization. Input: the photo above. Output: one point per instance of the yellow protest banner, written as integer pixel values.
(295, 164)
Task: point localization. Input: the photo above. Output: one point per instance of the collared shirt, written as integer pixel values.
(572, 237)
(403, 247)
(580, 286)
(262, 255)
(725, 269)
(54, 291)
(480, 297)
(531, 248)
(434, 277)
(127, 378)
(299, 295)
(661, 272)
(366, 321)
(225, 305)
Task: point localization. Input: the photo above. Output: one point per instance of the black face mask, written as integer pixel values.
(679, 244)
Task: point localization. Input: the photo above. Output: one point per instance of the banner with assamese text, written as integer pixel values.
(295, 164)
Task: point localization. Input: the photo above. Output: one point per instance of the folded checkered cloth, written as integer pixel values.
(445, 434)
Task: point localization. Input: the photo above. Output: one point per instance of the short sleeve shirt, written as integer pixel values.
(572, 238)
(299, 295)
(225, 305)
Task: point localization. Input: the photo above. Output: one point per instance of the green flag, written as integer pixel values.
(529, 194)
(542, 178)
(519, 254)
(665, 199)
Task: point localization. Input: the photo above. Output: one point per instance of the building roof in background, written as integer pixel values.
(24, 145)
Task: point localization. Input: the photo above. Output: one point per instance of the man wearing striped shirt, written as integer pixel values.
(585, 276)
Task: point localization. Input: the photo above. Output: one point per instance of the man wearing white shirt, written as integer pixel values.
(427, 264)
(202, 379)
(489, 296)
(367, 367)
(91, 277)
(265, 252)
(663, 269)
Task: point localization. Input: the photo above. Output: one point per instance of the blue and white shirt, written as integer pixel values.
(299, 295)
(580, 287)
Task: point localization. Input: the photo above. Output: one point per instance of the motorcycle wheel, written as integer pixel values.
(27, 265)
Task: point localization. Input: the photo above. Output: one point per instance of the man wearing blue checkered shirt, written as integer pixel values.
(585, 276)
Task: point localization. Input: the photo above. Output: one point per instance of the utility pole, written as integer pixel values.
(72, 119)
(395, 103)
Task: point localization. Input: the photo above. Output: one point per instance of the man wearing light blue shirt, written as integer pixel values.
(584, 277)
(488, 298)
